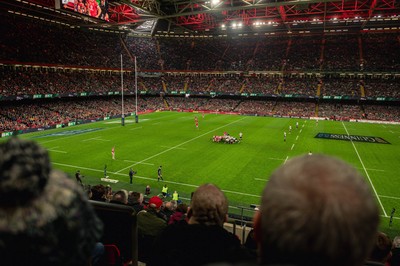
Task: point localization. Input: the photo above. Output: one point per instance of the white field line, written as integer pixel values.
(57, 151)
(372, 169)
(90, 139)
(389, 197)
(137, 162)
(136, 128)
(127, 121)
(70, 136)
(366, 172)
(156, 123)
(148, 178)
(292, 147)
(301, 130)
(183, 143)
(287, 157)
(260, 179)
(297, 137)
(277, 159)
(67, 137)
(173, 148)
(96, 138)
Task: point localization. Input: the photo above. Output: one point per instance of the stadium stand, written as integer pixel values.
(72, 75)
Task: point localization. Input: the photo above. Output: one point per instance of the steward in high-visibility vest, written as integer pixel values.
(164, 191)
(175, 196)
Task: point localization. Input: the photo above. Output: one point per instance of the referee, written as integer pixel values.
(159, 173)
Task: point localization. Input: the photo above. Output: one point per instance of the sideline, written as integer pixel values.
(366, 172)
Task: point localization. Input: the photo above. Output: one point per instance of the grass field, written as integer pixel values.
(189, 157)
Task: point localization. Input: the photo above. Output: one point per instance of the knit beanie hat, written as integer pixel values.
(45, 217)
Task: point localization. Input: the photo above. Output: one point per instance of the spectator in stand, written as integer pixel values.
(179, 215)
(203, 239)
(169, 209)
(381, 251)
(316, 210)
(120, 197)
(395, 259)
(46, 218)
(150, 225)
(135, 200)
(98, 193)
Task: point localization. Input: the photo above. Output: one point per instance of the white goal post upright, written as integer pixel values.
(122, 93)
(136, 110)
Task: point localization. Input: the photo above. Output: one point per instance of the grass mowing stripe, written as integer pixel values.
(365, 170)
(183, 143)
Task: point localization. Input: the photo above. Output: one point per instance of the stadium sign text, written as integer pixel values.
(369, 139)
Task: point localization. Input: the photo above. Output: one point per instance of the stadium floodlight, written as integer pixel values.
(215, 2)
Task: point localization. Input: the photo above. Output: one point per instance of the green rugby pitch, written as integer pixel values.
(189, 157)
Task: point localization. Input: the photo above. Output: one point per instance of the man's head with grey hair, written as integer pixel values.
(209, 206)
(316, 210)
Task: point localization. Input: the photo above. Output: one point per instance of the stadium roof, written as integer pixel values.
(224, 17)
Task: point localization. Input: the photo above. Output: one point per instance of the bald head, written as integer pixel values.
(209, 206)
(316, 210)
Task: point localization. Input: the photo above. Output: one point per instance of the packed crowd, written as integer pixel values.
(55, 44)
(341, 111)
(30, 81)
(45, 114)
